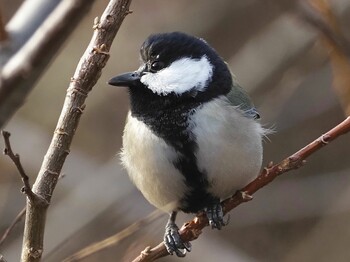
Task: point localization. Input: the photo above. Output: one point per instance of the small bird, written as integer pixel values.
(192, 135)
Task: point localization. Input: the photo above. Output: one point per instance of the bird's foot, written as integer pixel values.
(215, 216)
(173, 242)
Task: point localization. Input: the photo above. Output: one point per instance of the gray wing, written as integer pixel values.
(239, 97)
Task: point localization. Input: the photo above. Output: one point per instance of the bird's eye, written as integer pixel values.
(157, 65)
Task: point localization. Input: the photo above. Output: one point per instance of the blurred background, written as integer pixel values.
(285, 66)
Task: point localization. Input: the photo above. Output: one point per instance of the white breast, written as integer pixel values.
(229, 146)
(229, 152)
(148, 160)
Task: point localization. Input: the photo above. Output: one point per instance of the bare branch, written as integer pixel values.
(192, 229)
(27, 19)
(21, 72)
(85, 77)
(26, 189)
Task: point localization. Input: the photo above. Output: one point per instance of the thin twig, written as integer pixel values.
(17, 219)
(115, 239)
(192, 229)
(85, 77)
(26, 189)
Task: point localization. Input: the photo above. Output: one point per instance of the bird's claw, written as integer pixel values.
(173, 242)
(215, 216)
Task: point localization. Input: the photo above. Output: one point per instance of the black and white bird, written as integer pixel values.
(192, 136)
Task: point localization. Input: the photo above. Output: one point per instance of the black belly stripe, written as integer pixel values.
(197, 196)
(171, 122)
(174, 130)
(175, 133)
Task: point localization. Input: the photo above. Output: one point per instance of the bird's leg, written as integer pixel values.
(215, 215)
(172, 239)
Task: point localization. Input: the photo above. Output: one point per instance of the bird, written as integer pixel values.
(192, 136)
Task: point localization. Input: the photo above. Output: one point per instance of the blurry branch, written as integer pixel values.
(21, 72)
(17, 219)
(3, 32)
(85, 77)
(27, 19)
(192, 229)
(115, 239)
(2, 259)
(319, 14)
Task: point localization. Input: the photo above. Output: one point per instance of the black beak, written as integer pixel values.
(126, 79)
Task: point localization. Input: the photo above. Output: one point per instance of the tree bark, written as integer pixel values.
(85, 77)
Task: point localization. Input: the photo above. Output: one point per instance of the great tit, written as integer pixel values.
(192, 135)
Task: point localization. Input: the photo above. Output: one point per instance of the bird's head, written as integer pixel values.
(178, 64)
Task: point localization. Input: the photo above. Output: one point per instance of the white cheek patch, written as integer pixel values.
(180, 76)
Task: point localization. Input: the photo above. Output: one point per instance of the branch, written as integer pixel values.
(26, 189)
(23, 24)
(85, 77)
(192, 229)
(21, 72)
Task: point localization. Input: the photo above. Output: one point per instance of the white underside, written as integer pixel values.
(229, 152)
(148, 160)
